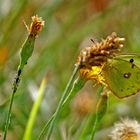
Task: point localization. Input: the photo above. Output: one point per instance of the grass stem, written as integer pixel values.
(50, 124)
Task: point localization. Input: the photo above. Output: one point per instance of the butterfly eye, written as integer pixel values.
(127, 75)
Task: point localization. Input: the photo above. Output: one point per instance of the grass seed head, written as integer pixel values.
(35, 26)
(99, 52)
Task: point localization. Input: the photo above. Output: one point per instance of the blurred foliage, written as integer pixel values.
(68, 25)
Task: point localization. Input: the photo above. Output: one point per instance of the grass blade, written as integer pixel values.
(33, 114)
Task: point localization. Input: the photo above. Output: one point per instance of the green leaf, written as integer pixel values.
(26, 51)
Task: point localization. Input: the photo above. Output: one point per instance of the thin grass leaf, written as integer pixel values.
(77, 85)
(34, 111)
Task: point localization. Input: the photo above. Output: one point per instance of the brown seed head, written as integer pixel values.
(36, 26)
(98, 53)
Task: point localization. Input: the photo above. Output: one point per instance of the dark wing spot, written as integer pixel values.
(131, 60)
(132, 65)
(127, 75)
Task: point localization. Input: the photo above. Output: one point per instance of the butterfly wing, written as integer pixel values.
(122, 77)
(128, 57)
